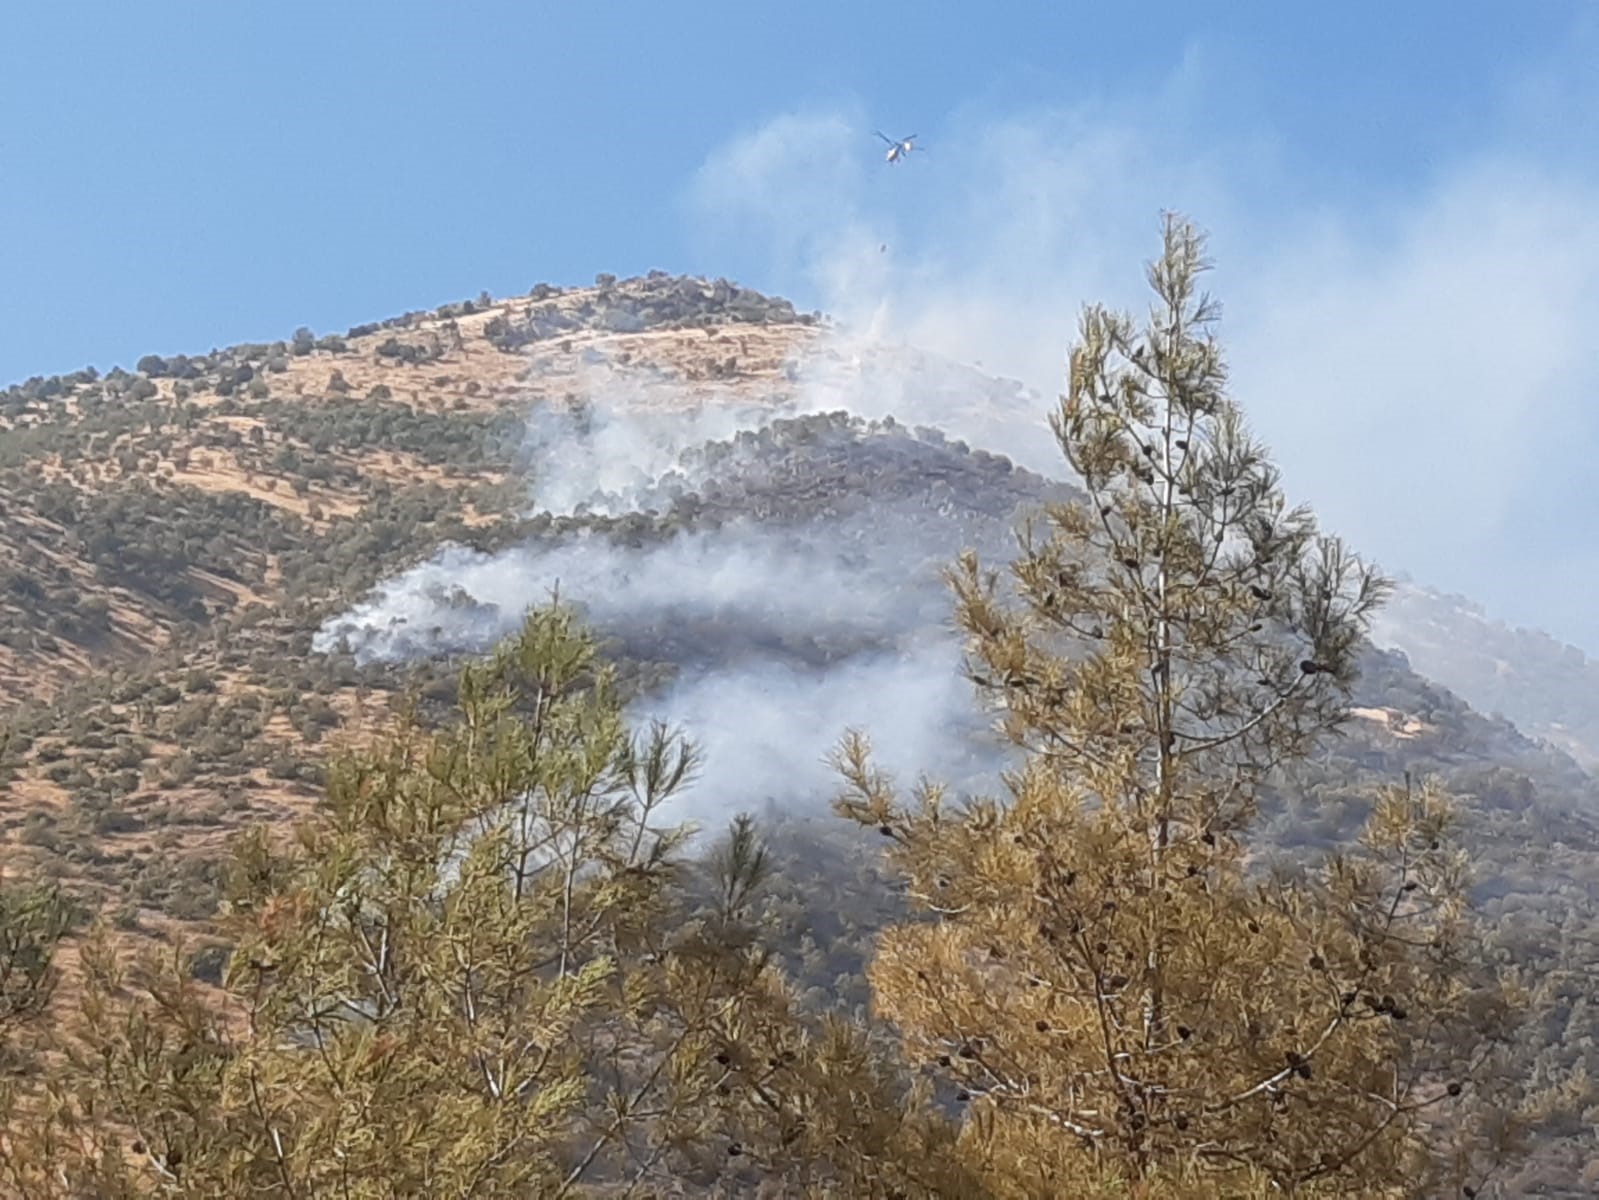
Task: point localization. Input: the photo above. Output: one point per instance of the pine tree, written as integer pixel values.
(481, 970)
(1104, 971)
(34, 919)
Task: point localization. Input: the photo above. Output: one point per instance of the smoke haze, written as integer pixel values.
(1423, 373)
(786, 632)
(1420, 361)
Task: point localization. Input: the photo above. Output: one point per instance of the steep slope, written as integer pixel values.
(171, 535)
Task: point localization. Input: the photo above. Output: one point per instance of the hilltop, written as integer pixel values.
(203, 558)
(258, 453)
(169, 532)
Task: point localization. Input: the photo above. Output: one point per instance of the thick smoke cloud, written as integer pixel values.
(625, 440)
(628, 443)
(766, 732)
(1420, 360)
(857, 372)
(787, 634)
(764, 718)
(808, 583)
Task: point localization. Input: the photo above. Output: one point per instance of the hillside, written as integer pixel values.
(217, 567)
(1548, 688)
(171, 534)
(259, 454)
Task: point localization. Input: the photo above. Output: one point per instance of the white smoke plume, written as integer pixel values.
(1421, 369)
(626, 442)
(766, 732)
(1419, 360)
(623, 440)
(803, 583)
(749, 606)
(854, 371)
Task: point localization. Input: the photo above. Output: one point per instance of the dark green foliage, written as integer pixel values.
(411, 353)
(476, 440)
(147, 540)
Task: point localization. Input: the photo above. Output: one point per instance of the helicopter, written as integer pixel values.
(897, 149)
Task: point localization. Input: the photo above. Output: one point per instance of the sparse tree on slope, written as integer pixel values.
(1120, 992)
(475, 973)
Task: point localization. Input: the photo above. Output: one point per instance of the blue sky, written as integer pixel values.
(182, 175)
(1393, 189)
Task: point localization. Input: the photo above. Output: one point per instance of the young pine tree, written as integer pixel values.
(478, 971)
(34, 918)
(33, 921)
(1116, 989)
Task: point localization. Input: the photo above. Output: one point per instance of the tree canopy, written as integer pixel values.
(1118, 988)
